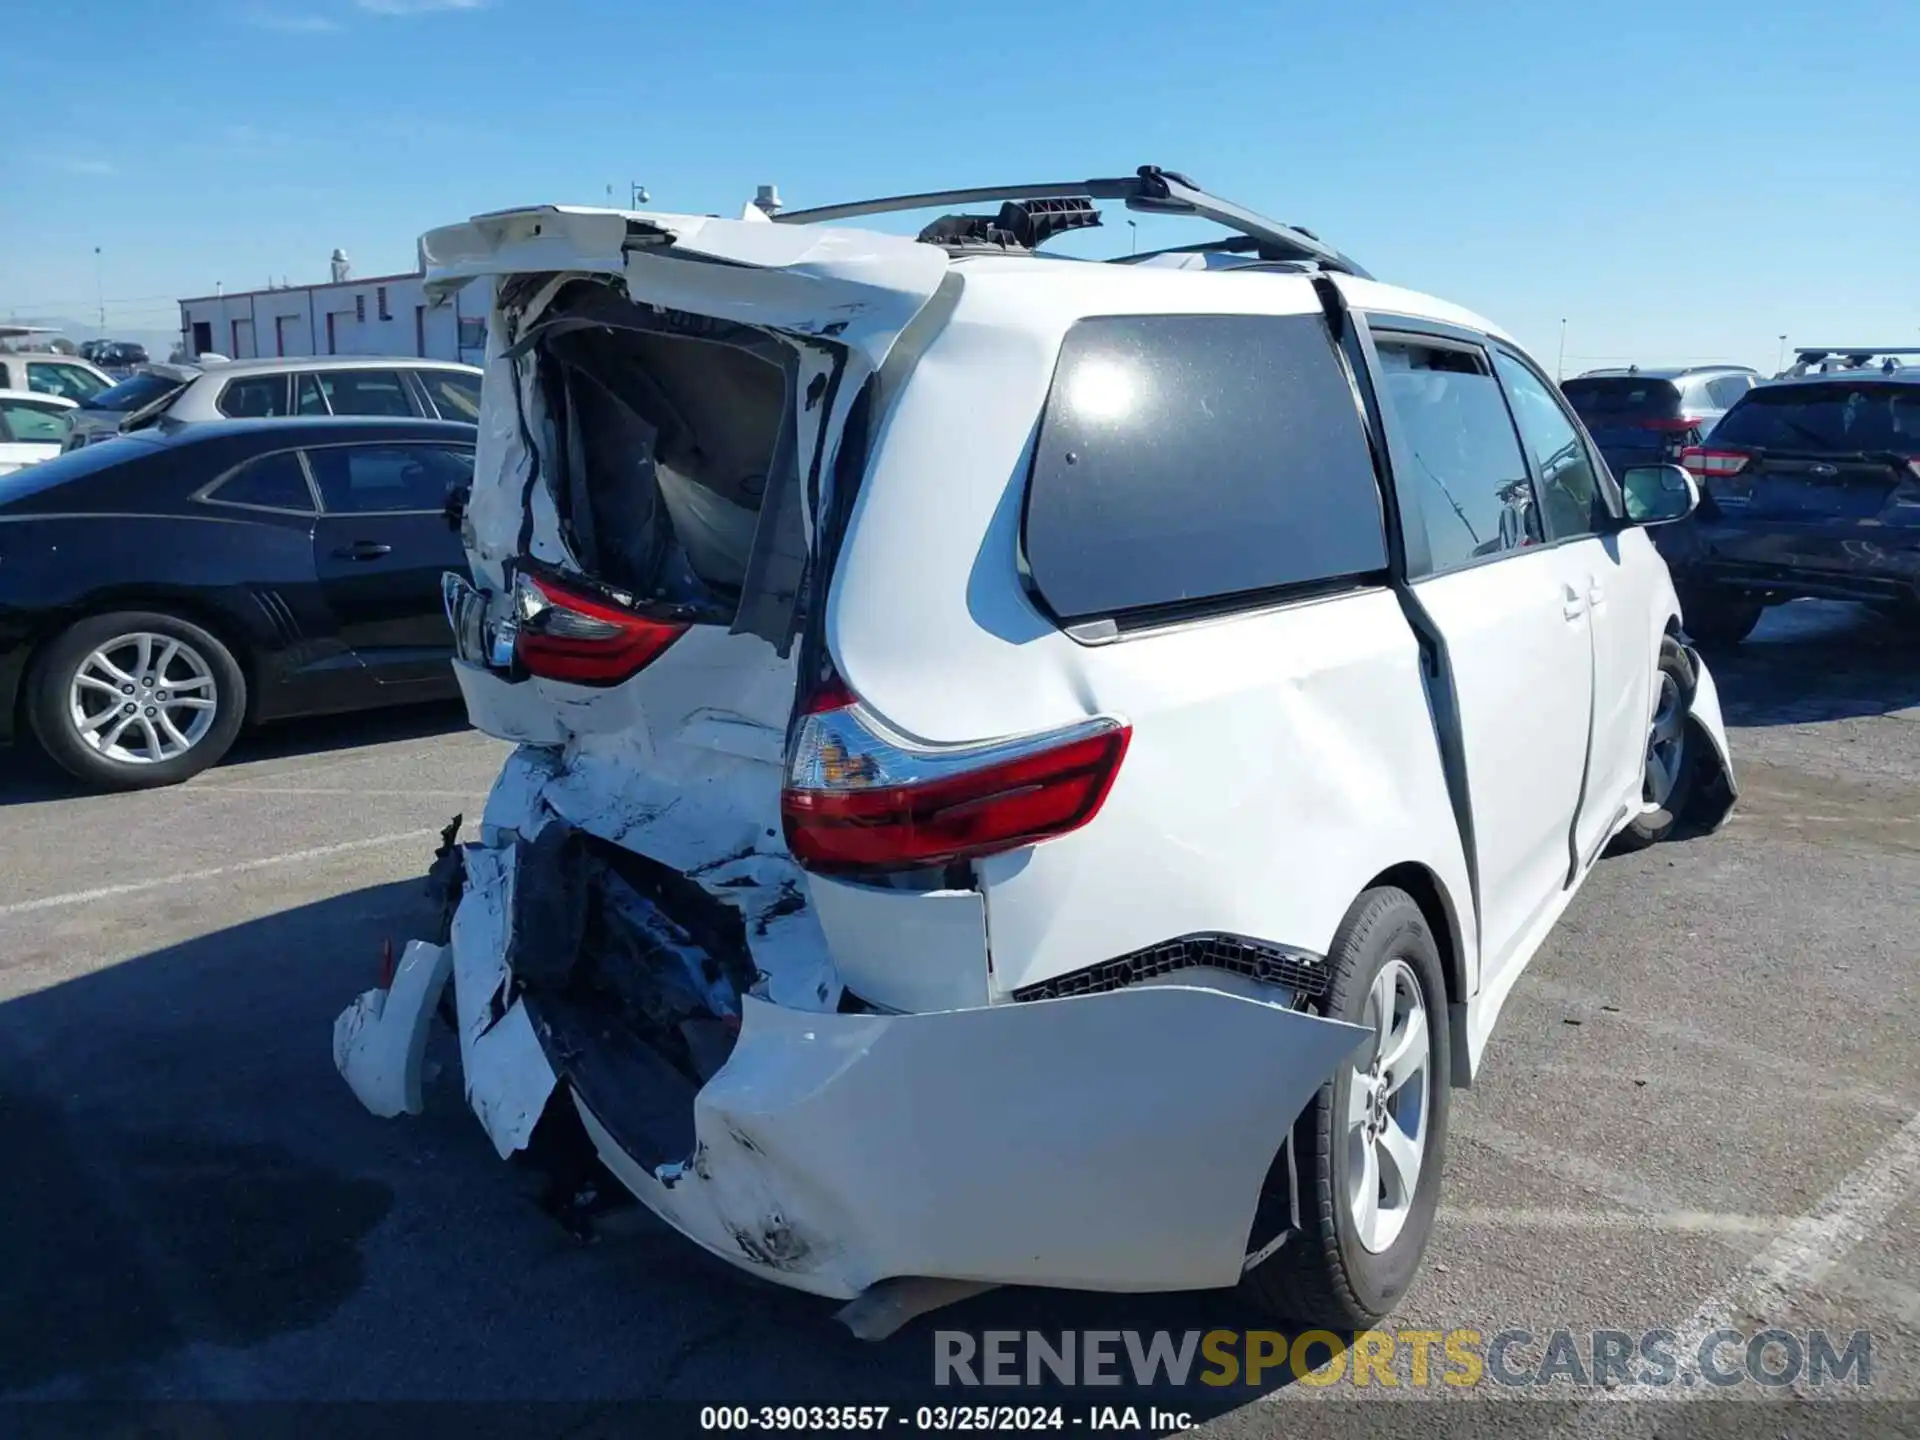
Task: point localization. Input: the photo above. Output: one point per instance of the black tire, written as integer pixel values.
(51, 688)
(1717, 616)
(1676, 679)
(1323, 1276)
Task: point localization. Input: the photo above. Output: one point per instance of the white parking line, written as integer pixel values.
(357, 791)
(1677, 1222)
(190, 877)
(1576, 1170)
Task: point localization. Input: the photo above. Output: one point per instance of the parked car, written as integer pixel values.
(102, 415)
(1812, 488)
(33, 427)
(159, 593)
(1021, 758)
(1829, 359)
(1647, 417)
(322, 385)
(51, 373)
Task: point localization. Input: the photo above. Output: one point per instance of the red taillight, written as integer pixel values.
(1684, 423)
(570, 634)
(1713, 464)
(859, 799)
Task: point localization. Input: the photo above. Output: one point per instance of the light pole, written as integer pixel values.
(1560, 365)
(1133, 233)
(100, 289)
(1781, 363)
(637, 195)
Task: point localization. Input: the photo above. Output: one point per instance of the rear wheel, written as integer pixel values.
(1369, 1145)
(136, 699)
(1717, 616)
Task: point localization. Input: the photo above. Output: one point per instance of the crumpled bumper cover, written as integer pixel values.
(1112, 1142)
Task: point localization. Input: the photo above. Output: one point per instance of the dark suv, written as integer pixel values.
(1811, 487)
(1647, 417)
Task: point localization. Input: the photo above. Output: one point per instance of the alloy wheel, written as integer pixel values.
(1666, 743)
(143, 698)
(1388, 1108)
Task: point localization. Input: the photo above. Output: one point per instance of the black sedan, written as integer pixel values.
(162, 590)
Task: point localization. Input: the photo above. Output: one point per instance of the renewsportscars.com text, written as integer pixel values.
(1513, 1358)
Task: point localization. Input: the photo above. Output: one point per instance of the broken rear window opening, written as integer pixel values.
(666, 442)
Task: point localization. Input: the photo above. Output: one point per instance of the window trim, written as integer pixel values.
(319, 496)
(1387, 328)
(207, 493)
(1142, 622)
(1611, 499)
(286, 391)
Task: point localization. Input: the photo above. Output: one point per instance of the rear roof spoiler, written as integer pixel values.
(1150, 190)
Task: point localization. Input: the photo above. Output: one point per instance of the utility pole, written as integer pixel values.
(1560, 365)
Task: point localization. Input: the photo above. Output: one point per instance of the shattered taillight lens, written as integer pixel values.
(566, 633)
(860, 798)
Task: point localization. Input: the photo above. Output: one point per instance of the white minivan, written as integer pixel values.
(1029, 770)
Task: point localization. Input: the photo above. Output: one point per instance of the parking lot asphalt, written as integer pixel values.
(1700, 1107)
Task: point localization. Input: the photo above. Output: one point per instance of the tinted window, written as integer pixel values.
(1465, 464)
(50, 377)
(254, 396)
(1186, 458)
(371, 479)
(1621, 397)
(365, 392)
(1569, 491)
(1726, 390)
(455, 394)
(1830, 416)
(134, 393)
(307, 399)
(28, 423)
(274, 481)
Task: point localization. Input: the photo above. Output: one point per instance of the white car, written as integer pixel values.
(33, 427)
(1029, 770)
(50, 373)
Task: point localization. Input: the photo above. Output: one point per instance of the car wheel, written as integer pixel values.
(1719, 617)
(136, 699)
(1670, 768)
(1369, 1145)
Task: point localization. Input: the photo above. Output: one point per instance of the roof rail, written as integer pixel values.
(1150, 190)
(1821, 359)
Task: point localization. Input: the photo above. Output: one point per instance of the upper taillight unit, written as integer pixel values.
(568, 633)
(858, 798)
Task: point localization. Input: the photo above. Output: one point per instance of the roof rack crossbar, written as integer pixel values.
(1151, 190)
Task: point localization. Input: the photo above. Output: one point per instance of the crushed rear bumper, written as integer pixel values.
(1117, 1141)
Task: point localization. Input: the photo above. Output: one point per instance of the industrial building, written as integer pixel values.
(378, 315)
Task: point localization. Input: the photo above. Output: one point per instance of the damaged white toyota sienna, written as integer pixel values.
(1029, 770)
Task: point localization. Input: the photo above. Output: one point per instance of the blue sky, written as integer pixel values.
(1674, 190)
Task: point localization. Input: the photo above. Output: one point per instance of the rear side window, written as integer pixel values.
(27, 423)
(272, 482)
(254, 397)
(382, 479)
(455, 394)
(1188, 458)
(71, 382)
(1830, 417)
(1622, 398)
(1727, 390)
(307, 399)
(365, 392)
(1464, 465)
(134, 393)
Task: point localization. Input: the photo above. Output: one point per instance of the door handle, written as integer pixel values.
(1597, 595)
(1571, 605)
(363, 550)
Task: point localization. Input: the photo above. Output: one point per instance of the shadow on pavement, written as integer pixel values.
(194, 1207)
(1816, 660)
(28, 777)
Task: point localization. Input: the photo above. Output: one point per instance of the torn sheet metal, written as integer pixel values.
(835, 1151)
(380, 1041)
